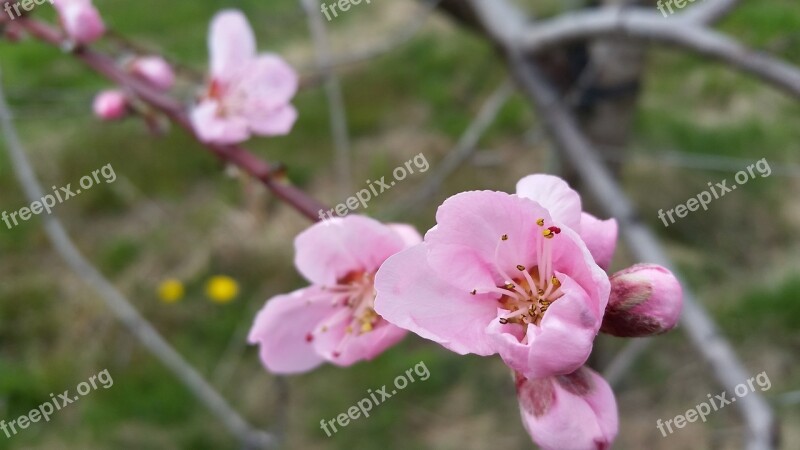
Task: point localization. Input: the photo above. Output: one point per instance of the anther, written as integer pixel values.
(540, 222)
(520, 267)
(548, 234)
(554, 281)
(504, 237)
(474, 291)
(503, 321)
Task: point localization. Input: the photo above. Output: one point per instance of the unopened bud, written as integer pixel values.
(110, 105)
(154, 70)
(645, 300)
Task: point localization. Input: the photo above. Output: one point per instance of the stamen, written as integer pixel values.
(540, 222)
(504, 237)
(520, 267)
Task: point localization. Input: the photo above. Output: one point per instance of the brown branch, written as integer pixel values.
(271, 175)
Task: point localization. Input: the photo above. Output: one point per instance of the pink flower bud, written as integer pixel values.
(154, 70)
(646, 299)
(575, 411)
(80, 20)
(110, 105)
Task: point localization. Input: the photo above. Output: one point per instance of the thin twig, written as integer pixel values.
(465, 147)
(333, 90)
(644, 24)
(119, 305)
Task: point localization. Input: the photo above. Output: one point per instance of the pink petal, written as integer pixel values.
(329, 250)
(343, 349)
(81, 20)
(277, 122)
(554, 194)
(408, 233)
(411, 296)
(572, 258)
(210, 126)
(600, 237)
(267, 82)
(283, 330)
(466, 246)
(559, 345)
(231, 42)
(576, 411)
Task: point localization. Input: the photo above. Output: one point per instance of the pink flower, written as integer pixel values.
(646, 299)
(565, 206)
(80, 20)
(154, 70)
(569, 412)
(334, 319)
(498, 274)
(248, 93)
(110, 105)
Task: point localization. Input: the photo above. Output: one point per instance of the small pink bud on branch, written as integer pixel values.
(646, 299)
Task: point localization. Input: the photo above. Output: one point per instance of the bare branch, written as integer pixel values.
(333, 89)
(119, 305)
(268, 174)
(649, 26)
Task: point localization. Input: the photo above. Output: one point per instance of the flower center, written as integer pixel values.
(529, 293)
(356, 291)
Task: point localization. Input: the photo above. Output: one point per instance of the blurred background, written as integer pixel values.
(175, 212)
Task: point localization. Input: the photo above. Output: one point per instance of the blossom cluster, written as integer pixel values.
(522, 276)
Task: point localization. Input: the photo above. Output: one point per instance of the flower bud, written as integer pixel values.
(575, 411)
(154, 70)
(646, 299)
(110, 105)
(80, 20)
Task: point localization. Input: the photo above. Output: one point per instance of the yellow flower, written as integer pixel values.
(170, 290)
(222, 289)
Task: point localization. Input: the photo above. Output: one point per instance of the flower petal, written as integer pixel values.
(411, 296)
(467, 247)
(560, 344)
(231, 43)
(266, 83)
(569, 412)
(554, 194)
(600, 237)
(408, 233)
(329, 250)
(283, 327)
(343, 349)
(212, 127)
(277, 122)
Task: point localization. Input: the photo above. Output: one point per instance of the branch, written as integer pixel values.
(701, 329)
(333, 90)
(677, 31)
(270, 175)
(119, 305)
